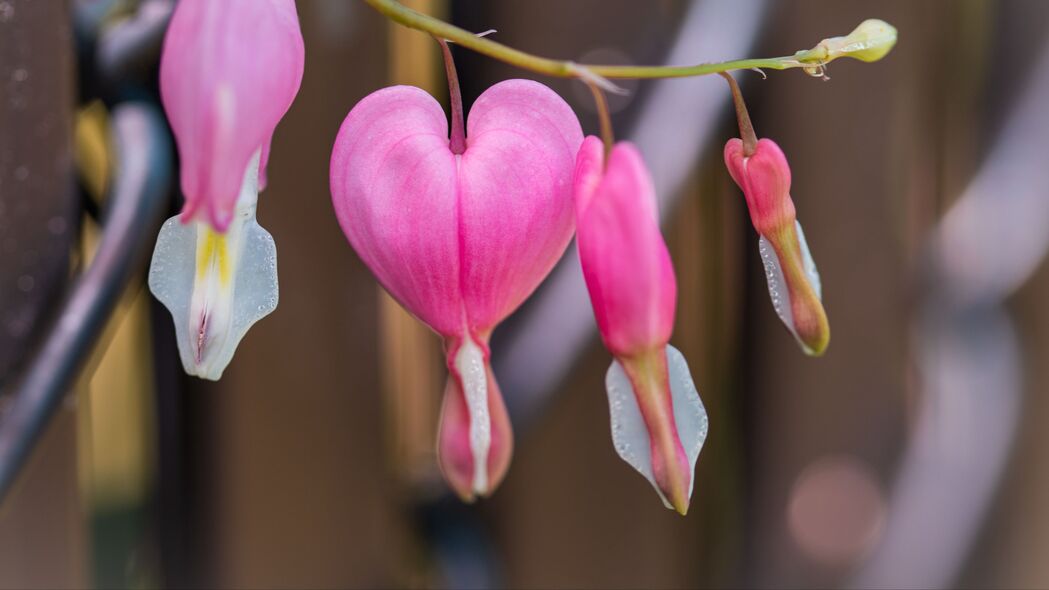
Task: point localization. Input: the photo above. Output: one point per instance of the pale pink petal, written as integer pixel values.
(516, 216)
(229, 71)
(393, 183)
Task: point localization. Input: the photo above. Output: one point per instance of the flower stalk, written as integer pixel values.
(457, 137)
(746, 128)
(808, 59)
(608, 137)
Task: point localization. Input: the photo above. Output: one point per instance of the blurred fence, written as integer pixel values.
(909, 455)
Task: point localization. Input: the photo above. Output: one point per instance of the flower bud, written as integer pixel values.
(870, 41)
(794, 283)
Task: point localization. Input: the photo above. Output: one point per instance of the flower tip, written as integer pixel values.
(681, 507)
(815, 343)
(658, 422)
(674, 479)
(197, 274)
(872, 40)
(474, 440)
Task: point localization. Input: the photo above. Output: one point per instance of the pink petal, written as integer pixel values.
(516, 196)
(624, 258)
(393, 183)
(228, 72)
(764, 178)
(458, 239)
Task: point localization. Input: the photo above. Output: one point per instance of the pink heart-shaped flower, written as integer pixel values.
(460, 240)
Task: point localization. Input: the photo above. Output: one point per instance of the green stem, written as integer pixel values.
(403, 15)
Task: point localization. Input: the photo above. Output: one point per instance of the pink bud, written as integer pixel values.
(460, 240)
(794, 283)
(765, 180)
(658, 421)
(625, 261)
(229, 71)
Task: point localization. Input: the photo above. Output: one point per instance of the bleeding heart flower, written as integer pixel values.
(229, 71)
(658, 421)
(794, 283)
(761, 171)
(460, 239)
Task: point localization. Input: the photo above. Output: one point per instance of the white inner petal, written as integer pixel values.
(215, 285)
(629, 432)
(778, 291)
(469, 363)
(809, 263)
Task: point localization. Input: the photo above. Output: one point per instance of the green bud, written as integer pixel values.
(870, 41)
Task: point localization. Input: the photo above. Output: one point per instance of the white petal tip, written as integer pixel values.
(213, 307)
(469, 363)
(778, 290)
(629, 432)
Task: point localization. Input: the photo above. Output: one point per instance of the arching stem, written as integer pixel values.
(399, 13)
(746, 128)
(457, 138)
(607, 136)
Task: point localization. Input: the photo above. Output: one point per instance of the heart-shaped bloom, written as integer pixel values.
(460, 240)
(229, 71)
(794, 283)
(658, 421)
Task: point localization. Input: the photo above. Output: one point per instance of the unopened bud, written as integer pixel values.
(870, 41)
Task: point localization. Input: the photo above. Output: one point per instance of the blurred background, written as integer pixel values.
(908, 456)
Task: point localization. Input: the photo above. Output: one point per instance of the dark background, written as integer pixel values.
(311, 463)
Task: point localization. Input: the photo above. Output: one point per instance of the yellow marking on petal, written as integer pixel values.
(213, 253)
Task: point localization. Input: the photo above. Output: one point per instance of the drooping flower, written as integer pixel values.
(658, 421)
(460, 239)
(229, 71)
(762, 173)
(794, 283)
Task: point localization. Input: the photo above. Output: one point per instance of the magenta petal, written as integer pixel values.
(460, 240)
(624, 258)
(228, 72)
(393, 183)
(457, 239)
(516, 196)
